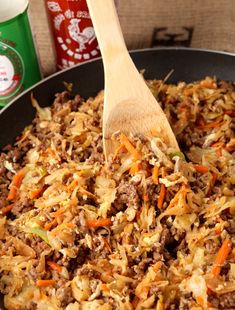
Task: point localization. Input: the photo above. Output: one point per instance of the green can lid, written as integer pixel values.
(12, 8)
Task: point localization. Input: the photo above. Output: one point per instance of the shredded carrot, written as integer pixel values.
(208, 83)
(155, 175)
(182, 109)
(104, 287)
(53, 153)
(51, 224)
(107, 245)
(129, 146)
(200, 121)
(83, 191)
(180, 194)
(138, 213)
(15, 184)
(135, 302)
(219, 226)
(99, 222)
(17, 179)
(157, 266)
(36, 193)
(218, 144)
(56, 230)
(135, 168)
(72, 185)
(202, 302)
(145, 197)
(214, 124)
(12, 193)
(163, 307)
(161, 196)
(160, 304)
(42, 296)
(218, 147)
(54, 266)
(121, 149)
(190, 90)
(3, 253)
(213, 180)
(58, 212)
(44, 283)
(221, 257)
(69, 225)
(230, 146)
(218, 151)
(201, 168)
(230, 112)
(6, 209)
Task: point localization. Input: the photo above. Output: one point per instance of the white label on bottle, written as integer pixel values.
(6, 73)
(11, 71)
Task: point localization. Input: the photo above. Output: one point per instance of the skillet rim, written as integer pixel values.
(133, 51)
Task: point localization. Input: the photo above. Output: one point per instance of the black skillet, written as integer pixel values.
(188, 65)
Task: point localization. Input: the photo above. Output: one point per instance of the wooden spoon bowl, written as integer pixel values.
(129, 106)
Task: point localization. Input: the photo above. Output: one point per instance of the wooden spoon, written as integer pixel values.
(129, 106)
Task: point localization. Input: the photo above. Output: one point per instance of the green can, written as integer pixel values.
(19, 68)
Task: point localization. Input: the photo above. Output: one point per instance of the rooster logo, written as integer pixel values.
(87, 35)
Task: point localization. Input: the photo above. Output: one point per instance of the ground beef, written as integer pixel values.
(97, 154)
(85, 270)
(35, 275)
(37, 244)
(231, 227)
(225, 269)
(228, 86)
(22, 207)
(2, 167)
(213, 300)
(174, 306)
(15, 154)
(152, 190)
(169, 244)
(60, 100)
(144, 264)
(126, 195)
(157, 252)
(64, 294)
(3, 201)
(72, 263)
(130, 193)
(81, 256)
(31, 306)
(211, 247)
(99, 245)
(184, 304)
(165, 237)
(227, 301)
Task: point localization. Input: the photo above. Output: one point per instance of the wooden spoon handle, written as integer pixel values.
(107, 28)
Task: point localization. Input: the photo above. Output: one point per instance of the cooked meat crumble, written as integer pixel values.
(152, 228)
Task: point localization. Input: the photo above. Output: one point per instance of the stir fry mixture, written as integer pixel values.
(152, 228)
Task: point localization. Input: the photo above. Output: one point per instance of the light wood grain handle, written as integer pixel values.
(107, 28)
